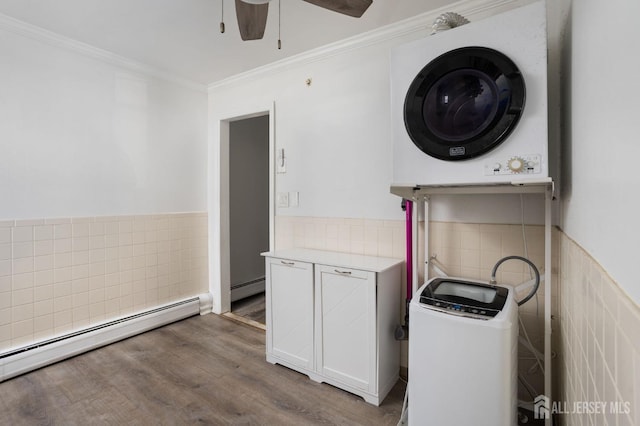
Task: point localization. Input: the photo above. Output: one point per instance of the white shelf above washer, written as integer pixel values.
(415, 192)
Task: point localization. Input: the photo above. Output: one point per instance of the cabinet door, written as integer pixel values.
(289, 303)
(346, 326)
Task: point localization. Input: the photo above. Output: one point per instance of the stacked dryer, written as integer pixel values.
(469, 105)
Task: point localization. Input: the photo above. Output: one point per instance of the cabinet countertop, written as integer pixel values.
(332, 258)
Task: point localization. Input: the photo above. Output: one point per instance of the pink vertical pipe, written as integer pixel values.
(409, 242)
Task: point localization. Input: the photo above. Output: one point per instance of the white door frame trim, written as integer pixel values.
(218, 196)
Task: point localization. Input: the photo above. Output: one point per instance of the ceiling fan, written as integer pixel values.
(252, 14)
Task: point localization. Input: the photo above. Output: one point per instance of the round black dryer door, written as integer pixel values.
(464, 103)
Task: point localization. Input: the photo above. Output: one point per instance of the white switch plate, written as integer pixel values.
(294, 199)
(282, 199)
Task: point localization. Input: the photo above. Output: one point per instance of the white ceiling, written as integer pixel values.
(182, 37)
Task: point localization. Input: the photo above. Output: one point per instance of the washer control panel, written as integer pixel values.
(461, 297)
(514, 165)
(459, 308)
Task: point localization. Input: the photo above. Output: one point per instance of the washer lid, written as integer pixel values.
(462, 297)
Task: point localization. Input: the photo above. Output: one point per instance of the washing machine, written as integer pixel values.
(462, 354)
(469, 104)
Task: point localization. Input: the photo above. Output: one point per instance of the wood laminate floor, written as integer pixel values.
(252, 307)
(202, 370)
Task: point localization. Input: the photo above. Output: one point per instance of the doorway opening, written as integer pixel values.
(234, 207)
(248, 215)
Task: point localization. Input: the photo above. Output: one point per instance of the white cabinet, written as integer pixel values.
(289, 289)
(332, 316)
(346, 326)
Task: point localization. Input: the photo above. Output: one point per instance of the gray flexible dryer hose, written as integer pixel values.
(525, 260)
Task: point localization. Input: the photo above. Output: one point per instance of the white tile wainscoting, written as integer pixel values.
(461, 249)
(384, 238)
(599, 342)
(65, 274)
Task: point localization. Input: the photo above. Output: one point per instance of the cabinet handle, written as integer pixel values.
(343, 272)
(287, 263)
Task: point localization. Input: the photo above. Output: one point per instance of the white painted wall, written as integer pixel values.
(336, 132)
(83, 137)
(600, 170)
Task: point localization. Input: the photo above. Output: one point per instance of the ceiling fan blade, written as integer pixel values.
(353, 8)
(252, 19)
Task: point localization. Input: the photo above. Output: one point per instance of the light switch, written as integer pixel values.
(282, 199)
(294, 199)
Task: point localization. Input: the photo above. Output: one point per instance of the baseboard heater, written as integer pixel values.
(246, 289)
(22, 360)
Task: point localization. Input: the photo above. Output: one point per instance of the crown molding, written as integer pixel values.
(419, 24)
(49, 37)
